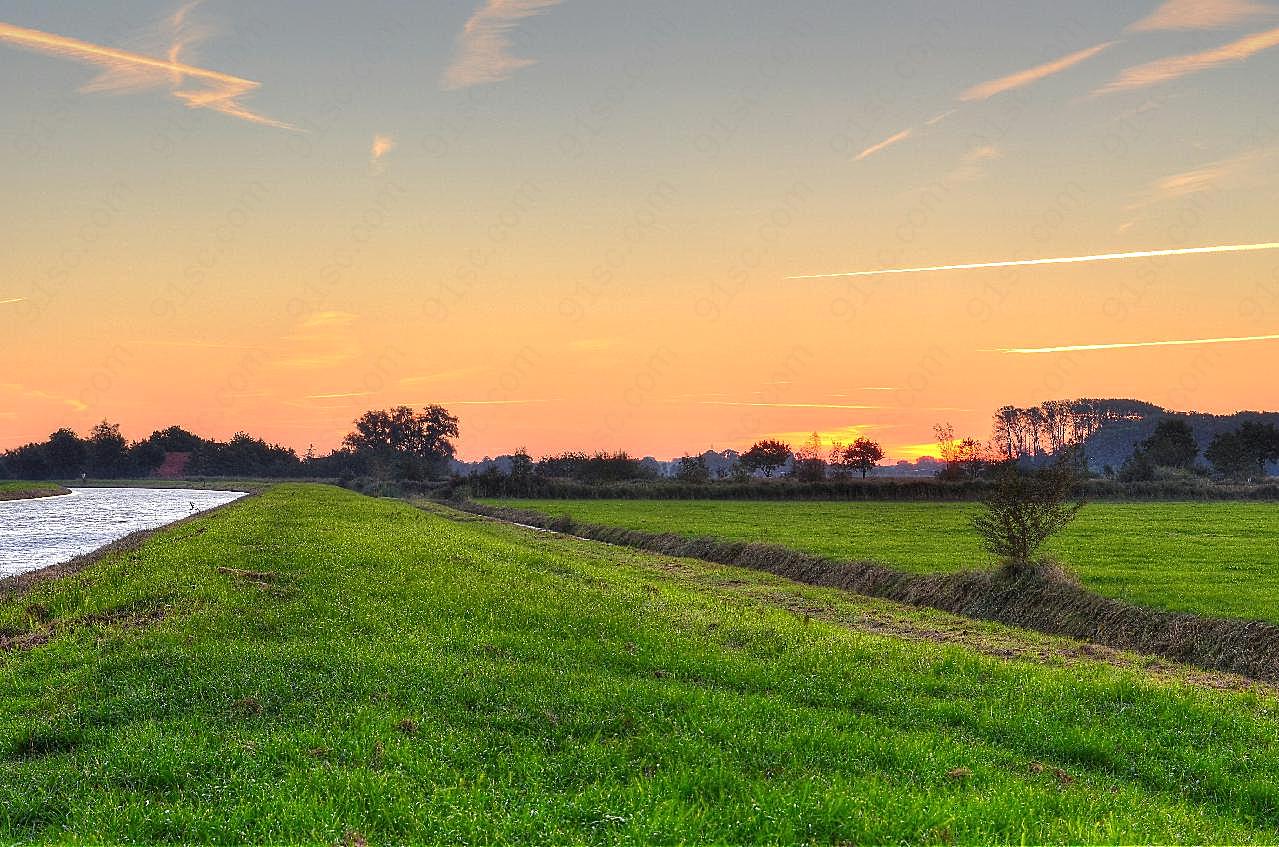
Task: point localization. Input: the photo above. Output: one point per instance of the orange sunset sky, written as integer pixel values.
(611, 226)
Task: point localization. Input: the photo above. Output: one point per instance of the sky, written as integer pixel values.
(640, 226)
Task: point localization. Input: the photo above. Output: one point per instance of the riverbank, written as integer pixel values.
(30, 490)
(315, 666)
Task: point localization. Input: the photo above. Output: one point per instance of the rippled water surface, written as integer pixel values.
(42, 532)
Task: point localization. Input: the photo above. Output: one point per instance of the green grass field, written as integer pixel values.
(395, 675)
(1210, 558)
(29, 490)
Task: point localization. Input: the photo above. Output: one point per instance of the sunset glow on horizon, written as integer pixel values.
(592, 229)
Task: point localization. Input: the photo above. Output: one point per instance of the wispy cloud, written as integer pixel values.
(884, 145)
(440, 376)
(382, 144)
(1165, 70)
(1248, 169)
(844, 434)
(38, 394)
(852, 406)
(320, 320)
(496, 402)
(1124, 345)
(341, 396)
(483, 49)
(986, 90)
(126, 71)
(1062, 260)
(191, 344)
(321, 339)
(1202, 14)
(971, 165)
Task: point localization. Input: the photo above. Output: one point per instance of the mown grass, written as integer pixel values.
(1217, 559)
(29, 490)
(400, 676)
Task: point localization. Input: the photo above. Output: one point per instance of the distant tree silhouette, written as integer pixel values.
(65, 454)
(1139, 467)
(175, 439)
(809, 464)
(1262, 443)
(965, 458)
(107, 452)
(1172, 445)
(1245, 451)
(403, 443)
(693, 469)
(766, 456)
(863, 455)
(521, 464)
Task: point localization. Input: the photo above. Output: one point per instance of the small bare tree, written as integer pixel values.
(1026, 508)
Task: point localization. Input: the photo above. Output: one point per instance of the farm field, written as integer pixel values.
(1217, 559)
(310, 665)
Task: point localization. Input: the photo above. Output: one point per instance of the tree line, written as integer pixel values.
(396, 443)
(419, 445)
(1239, 454)
(1037, 436)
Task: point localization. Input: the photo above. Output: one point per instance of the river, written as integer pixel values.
(49, 530)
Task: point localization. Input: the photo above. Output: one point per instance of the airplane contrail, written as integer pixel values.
(222, 94)
(1064, 260)
(1130, 344)
(14, 300)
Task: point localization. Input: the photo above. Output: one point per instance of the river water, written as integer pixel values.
(48, 530)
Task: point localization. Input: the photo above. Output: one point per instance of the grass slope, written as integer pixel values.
(405, 676)
(29, 490)
(1219, 559)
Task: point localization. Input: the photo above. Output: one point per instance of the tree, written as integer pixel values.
(175, 439)
(1244, 452)
(1025, 508)
(1262, 443)
(403, 442)
(1138, 468)
(1172, 445)
(964, 458)
(766, 456)
(65, 454)
(1230, 455)
(863, 455)
(521, 465)
(693, 469)
(809, 464)
(107, 451)
(144, 457)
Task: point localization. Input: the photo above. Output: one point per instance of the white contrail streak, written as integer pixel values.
(1074, 348)
(14, 300)
(1065, 260)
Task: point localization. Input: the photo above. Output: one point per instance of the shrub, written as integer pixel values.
(1024, 509)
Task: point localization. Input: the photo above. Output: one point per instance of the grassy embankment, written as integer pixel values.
(30, 490)
(1219, 559)
(395, 675)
